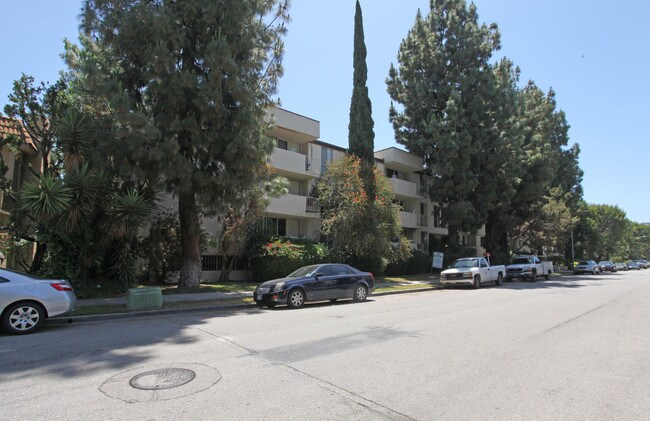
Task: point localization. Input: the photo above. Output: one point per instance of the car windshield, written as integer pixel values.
(605, 262)
(520, 261)
(303, 271)
(466, 263)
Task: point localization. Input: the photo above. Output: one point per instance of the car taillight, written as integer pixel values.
(61, 287)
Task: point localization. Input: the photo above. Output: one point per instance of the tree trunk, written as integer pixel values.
(39, 256)
(190, 241)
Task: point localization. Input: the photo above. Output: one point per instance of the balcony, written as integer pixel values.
(294, 205)
(408, 219)
(404, 188)
(289, 163)
(292, 126)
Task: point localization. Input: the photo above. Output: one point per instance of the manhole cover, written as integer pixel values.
(160, 382)
(164, 378)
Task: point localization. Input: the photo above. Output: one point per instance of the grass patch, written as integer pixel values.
(220, 287)
(404, 287)
(117, 308)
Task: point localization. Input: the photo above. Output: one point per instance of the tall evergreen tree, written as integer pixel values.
(443, 85)
(187, 84)
(361, 136)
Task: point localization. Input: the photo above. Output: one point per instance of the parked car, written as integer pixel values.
(633, 265)
(621, 266)
(528, 267)
(329, 281)
(26, 300)
(586, 266)
(472, 271)
(607, 266)
(642, 264)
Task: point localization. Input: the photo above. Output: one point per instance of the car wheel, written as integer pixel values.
(533, 276)
(499, 280)
(360, 293)
(477, 281)
(296, 298)
(22, 318)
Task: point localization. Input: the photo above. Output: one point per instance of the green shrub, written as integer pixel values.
(418, 263)
(373, 264)
(279, 257)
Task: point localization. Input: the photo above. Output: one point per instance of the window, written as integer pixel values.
(276, 226)
(342, 270)
(326, 157)
(329, 270)
(437, 217)
(2, 280)
(392, 173)
(209, 262)
(282, 144)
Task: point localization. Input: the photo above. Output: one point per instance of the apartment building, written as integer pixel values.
(302, 158)
(17, 172)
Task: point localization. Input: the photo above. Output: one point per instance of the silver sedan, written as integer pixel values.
(26, 301)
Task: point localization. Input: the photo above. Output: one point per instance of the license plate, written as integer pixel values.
(259, 297)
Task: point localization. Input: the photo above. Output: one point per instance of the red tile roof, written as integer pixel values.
(10, 126)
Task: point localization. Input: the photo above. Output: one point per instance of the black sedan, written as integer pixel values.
(329, 281)
(607, 266)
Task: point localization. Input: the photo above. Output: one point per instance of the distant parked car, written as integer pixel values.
(643, 264)
(26, 300)
(607, 266)
(621, 266)
(316, 283)
(633, 265)
(586, 266)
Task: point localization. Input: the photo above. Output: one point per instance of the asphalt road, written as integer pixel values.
(571, 348)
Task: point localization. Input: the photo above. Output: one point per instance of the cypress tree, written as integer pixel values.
(361, 137)
(361, 134)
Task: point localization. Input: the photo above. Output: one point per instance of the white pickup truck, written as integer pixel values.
(473, 271)
(528, 267)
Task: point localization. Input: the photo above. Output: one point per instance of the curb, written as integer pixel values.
(145, 313)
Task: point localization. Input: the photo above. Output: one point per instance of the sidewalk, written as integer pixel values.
(208, 298)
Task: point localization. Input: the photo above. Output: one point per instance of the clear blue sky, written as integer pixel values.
(595, 54)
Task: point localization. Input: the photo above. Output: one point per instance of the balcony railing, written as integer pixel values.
(312, 205)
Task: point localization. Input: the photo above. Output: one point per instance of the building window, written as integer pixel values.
(282, 144)
(437, 217)
(209, 262)
(392, 173)
(326, 156)
(277, 226)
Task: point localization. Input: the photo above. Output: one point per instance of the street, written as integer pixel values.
(570, 348)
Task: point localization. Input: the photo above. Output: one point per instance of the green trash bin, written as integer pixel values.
(147, 297)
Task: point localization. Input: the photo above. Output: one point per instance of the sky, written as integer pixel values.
(595, 55)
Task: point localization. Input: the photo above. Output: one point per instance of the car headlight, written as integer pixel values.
(279, 286)
(467, 275)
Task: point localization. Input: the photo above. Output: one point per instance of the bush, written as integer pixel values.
(279, 257)
(418, 263)
(373, 264)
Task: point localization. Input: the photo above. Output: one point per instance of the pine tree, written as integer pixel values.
(443, 85)
(187, 85)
